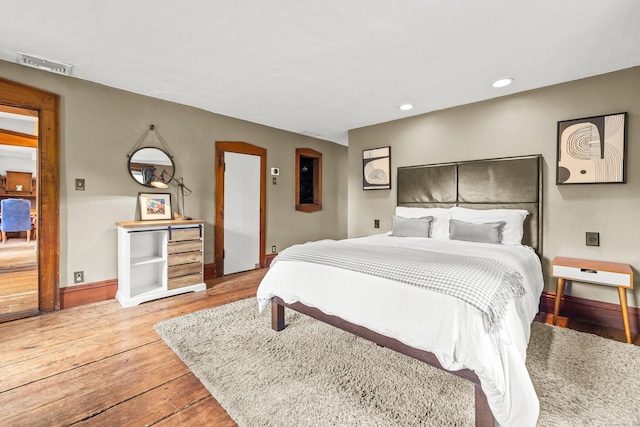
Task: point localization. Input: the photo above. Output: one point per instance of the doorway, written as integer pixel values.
(241, 197)
(46, 106)
(18, 213)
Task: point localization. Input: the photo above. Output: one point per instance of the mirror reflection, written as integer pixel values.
(151, 167)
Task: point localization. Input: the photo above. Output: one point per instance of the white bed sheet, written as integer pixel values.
(446, 326)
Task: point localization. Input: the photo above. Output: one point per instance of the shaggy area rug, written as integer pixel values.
(312, 374)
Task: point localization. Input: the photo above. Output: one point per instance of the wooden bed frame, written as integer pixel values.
(514, 182)
(484, 416)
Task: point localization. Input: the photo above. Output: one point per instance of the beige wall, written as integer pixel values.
(99, 126)
(522, 124)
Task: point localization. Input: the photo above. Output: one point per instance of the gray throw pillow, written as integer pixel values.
(411, 227)
(488, 232)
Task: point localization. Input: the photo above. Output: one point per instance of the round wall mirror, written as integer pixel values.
(151, 167)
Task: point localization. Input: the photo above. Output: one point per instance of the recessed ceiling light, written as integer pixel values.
(502, 82)
(405, 107)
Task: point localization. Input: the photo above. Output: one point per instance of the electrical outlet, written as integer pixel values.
(273, 249)
(376, 223)
(80, 184)
(593, 239)
(78, 277)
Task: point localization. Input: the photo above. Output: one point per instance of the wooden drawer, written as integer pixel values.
(179, 282)
(185, 246)
(184, 269)
(178, 234)
(185, 258)
(591, 275)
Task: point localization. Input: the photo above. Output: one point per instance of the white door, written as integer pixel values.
(241, 212)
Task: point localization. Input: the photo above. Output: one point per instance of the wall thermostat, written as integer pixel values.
(275, 171)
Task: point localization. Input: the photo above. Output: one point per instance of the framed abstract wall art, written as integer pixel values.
(155, 206)
(376, 169)
(592, 150)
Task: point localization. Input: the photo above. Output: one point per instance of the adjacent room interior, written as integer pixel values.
(19, 212)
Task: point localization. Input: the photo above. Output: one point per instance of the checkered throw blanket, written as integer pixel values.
(484, 283)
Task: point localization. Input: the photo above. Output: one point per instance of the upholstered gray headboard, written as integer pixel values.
(511, 183)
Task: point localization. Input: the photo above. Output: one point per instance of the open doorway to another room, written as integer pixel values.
(29, 100)
(19, 290)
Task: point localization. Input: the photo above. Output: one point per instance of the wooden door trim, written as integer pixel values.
(47, 104)
(17, 110)
(240, 148)
(8, 137)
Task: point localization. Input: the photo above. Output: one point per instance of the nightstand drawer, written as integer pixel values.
(591, 276)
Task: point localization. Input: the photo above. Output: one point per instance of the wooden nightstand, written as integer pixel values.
(598, 272)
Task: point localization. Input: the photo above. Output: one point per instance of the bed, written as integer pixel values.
(482, 342)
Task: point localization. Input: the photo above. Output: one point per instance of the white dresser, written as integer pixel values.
(157, 259)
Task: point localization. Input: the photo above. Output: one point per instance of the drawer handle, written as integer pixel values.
(587, 270)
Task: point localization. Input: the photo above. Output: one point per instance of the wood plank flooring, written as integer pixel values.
(18, 279)
(604, 331)
(102, 365)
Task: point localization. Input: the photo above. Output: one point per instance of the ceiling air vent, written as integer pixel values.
(308, 133)
(44, 64)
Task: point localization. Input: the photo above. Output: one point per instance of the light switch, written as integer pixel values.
(80, 184)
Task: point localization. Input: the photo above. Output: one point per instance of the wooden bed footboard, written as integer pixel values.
(484, 416)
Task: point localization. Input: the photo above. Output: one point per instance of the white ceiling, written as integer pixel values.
(322, 67)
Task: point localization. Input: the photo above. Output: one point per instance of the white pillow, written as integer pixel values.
(514, 218)
(441, 217)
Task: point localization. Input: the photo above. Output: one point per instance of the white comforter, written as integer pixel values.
(441, 324)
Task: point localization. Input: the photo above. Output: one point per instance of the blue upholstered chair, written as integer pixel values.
(15, 216)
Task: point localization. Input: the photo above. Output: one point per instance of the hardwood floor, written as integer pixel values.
(18, 279)
(17, 254)
(102, 365)
(604, 331)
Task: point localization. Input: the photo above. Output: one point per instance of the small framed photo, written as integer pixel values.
(155, 206)
(376, 169)
(592, 150)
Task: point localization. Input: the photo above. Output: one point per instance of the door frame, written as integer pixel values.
(240, 148)
(48, 106)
